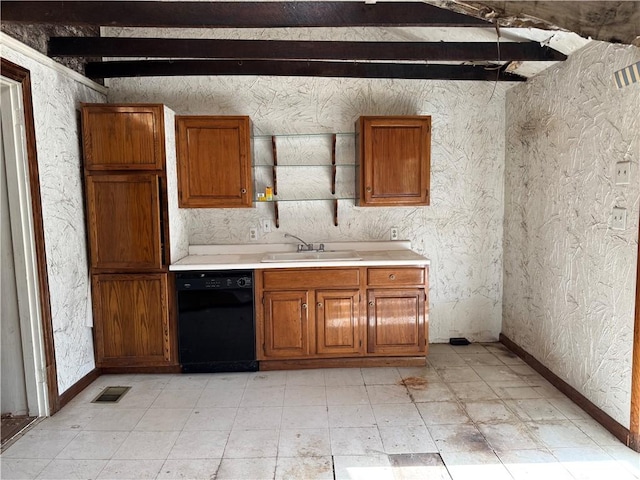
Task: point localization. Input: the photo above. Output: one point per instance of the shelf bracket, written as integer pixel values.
(335, 212)
(333, 166)
(275, 165)
(276, 214)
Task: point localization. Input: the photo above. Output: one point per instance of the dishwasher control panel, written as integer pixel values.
(213, 280)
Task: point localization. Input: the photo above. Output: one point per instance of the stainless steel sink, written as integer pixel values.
(329, 255)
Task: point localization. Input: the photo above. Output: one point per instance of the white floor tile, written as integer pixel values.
(596, 432)
(305, 417)
(70, 418)
(299, 395)
(407, 439)
(307, 468)
(228, 380)
(343, 376)
(432, 392)
(146, 446)
(362, 467)
(177, 398)
(591, 463)
(509, 436)
(626, 457)
(131, 470)
(188, 382)
(489, 411)
(509, 391)
(533, 465)
(458, 374)
(270, 396)
(312, 378)
(21, 468)
(396, 415)
(356, 441)
(560, 434)
(122, 419)
(96, 445)
(475, 466)
(388, 394)
(258, 418)
(267, 379)
(347, 395)
(246, 469)
(308, 442)
(163, 419)
(60, 469)
(486, 358)
(381, 376)
(473, 391)
(252, 444)
(203, 444)
(418, 467)
(534, 410)
(442, 413)
(351, 416)
(40, 444)
(193, 469)
(425, 373)
(569, 409)
(445, 360)
(214, 418)
(220, 397)
(458, 438)
(498, 373)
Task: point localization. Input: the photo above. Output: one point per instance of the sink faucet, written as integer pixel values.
(304, 246)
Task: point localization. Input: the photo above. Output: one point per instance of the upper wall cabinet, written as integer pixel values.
(214, 161)
(123, 137)
(393, 155)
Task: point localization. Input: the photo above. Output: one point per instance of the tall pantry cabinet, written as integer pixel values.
(127, 221)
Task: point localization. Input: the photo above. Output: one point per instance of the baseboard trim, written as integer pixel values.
(77, 387)
(137, 369)
(343, 362)
(616, 429)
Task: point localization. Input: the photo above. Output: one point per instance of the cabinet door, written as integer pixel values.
(131, 320)
(214, 161)
(338, 322)
(124, 222)
(396, 323)
(394, 157)
(286, 324)
(123, 137)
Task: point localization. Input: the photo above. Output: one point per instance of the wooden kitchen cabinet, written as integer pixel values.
(127, 225)
(297, 319)
(395, 321)
(131, 320)
(338, 322)
(393, 156)
(123, 137)
(214, 162)
(124, 222)
(287, 330)
(396, 310)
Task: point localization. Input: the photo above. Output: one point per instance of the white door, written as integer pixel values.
(24, 381)
(13, 388)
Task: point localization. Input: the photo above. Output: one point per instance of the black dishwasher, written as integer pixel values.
(216, 321)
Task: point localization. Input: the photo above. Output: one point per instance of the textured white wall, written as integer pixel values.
(56, 101)
(461, 232)
(569, 281)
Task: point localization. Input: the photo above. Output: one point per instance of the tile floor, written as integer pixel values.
(475, 412)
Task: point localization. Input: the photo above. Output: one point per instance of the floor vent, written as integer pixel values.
(111, 395)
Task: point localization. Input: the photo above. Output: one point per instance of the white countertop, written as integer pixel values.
(239, 257)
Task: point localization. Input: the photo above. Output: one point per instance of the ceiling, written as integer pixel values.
(435, 39)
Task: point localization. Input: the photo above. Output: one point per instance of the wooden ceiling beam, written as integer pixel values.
(235, 14)
(160, 68)
(299, 50)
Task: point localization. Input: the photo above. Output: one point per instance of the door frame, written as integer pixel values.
(634, 429)
(41, 333)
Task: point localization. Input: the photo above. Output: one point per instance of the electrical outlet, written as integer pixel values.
(266, 225)
(623, 173)
(394, 233)
(253, 234)
(619, 219)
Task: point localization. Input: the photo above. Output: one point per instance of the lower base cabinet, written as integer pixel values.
(365, 312)
(131, 320)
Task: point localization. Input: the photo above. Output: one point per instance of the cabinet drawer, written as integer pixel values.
(396, 276)
(298, 278)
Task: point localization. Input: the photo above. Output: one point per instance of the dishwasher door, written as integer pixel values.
(216, 321)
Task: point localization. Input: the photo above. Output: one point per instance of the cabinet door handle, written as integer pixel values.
(304, 306)
(371, 304)
(243, 190)
(319, 304)
(368, 189)
(392, 277)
